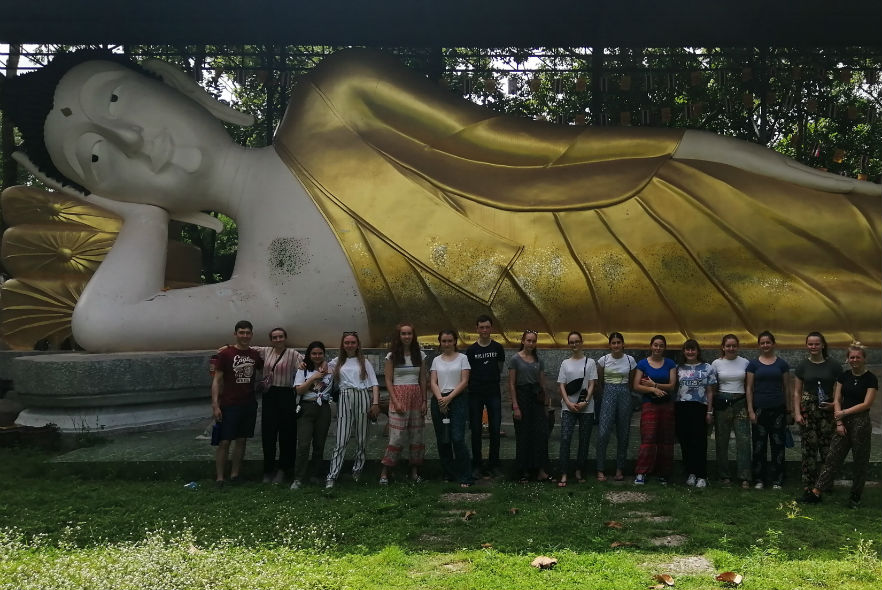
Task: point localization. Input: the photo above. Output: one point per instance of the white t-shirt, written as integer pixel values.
(406, 374)
(571, 369)
(320, 386)
(731, 374)
(350, 374)
(616, 370)
(450, 372)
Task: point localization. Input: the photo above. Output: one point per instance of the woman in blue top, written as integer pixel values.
(656, 377)
(697, 382)
(768, 386)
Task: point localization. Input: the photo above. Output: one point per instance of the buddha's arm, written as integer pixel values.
(124, 306)
(703, 145)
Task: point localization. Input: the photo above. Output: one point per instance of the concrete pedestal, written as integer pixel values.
(81, 392)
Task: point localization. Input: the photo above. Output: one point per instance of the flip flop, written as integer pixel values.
(561, 484)
(601, 477)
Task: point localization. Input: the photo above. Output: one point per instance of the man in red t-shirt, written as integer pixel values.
(233, 402)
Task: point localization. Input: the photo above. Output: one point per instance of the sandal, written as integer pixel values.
(384, 481)
(562, 484)
(601, 476)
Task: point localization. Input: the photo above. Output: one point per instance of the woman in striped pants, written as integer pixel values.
(359, 398)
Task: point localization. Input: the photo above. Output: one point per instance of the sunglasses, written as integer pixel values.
(353, 333)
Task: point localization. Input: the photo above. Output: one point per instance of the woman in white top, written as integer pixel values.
(359, 397)
(730, 411)
(405, 375)
(577, 406)
(450, 409)
(615, 372)
(278, 422)
(312, 384)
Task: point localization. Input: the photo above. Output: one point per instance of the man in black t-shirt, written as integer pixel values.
(486, 357)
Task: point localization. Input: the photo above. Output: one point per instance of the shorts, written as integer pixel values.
(238, 421)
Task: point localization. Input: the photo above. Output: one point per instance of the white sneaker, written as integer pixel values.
(701, 483)
(777, 487)
(329, 483)
(758, 485)
(690, 481)
(296, 485)
(640, 479)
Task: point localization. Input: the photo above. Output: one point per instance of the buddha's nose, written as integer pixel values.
(130, 138)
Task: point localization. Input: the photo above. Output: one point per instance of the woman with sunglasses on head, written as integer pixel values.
(696, 383)
(526, 386)
(768, 387)
(359, 398)
(656, 377)
(312, 384)
(730, 411)
(853, 397)
(576, 381)
(450, 409)
(615, 372)
(815, 379)
(405, 376)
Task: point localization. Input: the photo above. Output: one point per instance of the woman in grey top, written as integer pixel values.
(526, 384)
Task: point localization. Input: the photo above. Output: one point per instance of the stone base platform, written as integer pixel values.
(80, 392)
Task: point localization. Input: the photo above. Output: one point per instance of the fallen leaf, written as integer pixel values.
(665, 579)
(486, 545)
(470, 514)
(613, 524)
(544, 563)
(615, 544)
(730, 578)
(513, 511)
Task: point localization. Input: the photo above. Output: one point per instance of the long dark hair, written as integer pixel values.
(397, 348)
(823, 342)
(691, 343)
(310, 366)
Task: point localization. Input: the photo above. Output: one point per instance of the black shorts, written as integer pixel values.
(238, 421)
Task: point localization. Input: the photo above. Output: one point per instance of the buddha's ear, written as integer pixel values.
(26, 163)
(184, 84)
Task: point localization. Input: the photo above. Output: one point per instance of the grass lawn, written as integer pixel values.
(125, 526)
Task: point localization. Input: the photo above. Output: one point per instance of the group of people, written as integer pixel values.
(680, 401)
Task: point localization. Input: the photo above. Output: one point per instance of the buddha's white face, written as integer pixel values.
(131, 138)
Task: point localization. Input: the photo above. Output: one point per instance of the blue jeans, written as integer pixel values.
(454, 455)
(493, 401)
